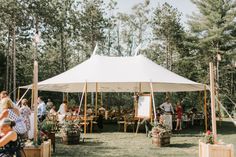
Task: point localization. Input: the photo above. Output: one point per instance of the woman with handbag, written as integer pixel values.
(9, 111)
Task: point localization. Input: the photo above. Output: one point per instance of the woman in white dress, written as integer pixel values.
(62, 111)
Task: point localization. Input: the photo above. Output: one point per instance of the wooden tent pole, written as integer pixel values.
(153, 103)
(18, 94)
(32, 98)
(140, 87)
(213, 114)
(96, 101)
(140, 90)
(35, 101)
(101, 100)
(85, 109)
(67, 98)
(205, 107)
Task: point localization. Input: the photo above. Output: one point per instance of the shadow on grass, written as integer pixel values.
(225, 128)
(90, 143)
(182, 145)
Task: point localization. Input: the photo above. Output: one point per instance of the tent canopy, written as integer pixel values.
(118, 74)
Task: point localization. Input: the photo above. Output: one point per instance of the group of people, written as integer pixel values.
(167, 111)
(13, 124)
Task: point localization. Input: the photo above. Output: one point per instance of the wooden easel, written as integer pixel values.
(142, 116)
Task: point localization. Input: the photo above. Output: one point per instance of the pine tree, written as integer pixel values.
(213, 28)
(92, 25)
(168, 32)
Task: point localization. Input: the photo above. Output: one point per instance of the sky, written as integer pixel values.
(186, 7)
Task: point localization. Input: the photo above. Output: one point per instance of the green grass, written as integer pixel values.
(117, 144)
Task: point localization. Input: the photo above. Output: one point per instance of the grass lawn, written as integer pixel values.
(117, 144)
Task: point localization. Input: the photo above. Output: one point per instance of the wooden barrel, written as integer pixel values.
(161, 142)
(71, 139)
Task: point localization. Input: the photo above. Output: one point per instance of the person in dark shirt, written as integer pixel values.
(9, 140)
(193, 112)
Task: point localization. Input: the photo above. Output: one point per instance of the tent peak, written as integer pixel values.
(105, 56)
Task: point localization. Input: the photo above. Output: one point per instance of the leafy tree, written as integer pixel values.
(92, 25)
(168, 31)
(214, 31)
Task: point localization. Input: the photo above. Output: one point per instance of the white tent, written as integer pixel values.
(118, 74)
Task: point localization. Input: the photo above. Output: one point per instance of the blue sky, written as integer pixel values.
(186, 7)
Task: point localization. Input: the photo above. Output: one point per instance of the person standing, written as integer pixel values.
(193, 112)
(53, 110)
(25, 113)
(9, 111)
(3, 94)
(49, 104)
(41, 109)
(63, 108)
(168, 111)
(167, 107)
(179, 111)
(62, 111)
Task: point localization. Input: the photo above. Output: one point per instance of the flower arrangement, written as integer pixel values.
(160, 131)
(71, 127)
(209, 138)
(70, 132)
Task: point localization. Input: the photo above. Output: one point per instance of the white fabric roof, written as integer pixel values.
(118, 74)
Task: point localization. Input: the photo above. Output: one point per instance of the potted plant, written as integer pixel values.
(49, 128)
(161, 135)
(210, 148)
(70, 132)
(42, 147)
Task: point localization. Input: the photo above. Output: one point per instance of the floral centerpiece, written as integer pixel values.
(48, 127)
(211, 148)
(160, 131)
(161, 135)
(70, 132)
(209, 138)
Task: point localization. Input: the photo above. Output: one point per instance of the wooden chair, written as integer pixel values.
(128, 121)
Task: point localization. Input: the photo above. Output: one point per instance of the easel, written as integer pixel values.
(140, 115)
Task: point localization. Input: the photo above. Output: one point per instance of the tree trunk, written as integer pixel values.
(62, 50)
(118, 40)
(14, 57)
(167, 55)
(8, 59)
(37, 32)
(170, 58)
(109, 41)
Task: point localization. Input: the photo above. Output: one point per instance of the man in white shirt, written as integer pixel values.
(167, 107)
(41, 109)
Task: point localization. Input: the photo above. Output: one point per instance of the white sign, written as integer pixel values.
(144, 106)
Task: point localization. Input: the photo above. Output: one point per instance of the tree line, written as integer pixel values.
(70, 29)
